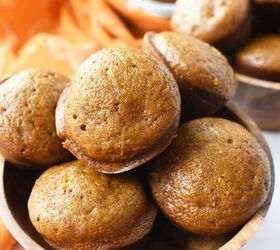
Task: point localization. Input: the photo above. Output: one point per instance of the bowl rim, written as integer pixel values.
(251, 227)
(249, 80)
(159, 9)
(238, 240)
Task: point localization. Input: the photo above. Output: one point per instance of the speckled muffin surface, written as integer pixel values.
(122, 109)
(27, 118)
(261, 58)
(212, 178)
(77, 208)
(198, 68)
(212, 20)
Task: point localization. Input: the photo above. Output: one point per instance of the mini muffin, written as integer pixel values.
(212, 178)
(122, 109)
(76, 208)
(260, 58)
(204, 76)
(27, 119)
(226, 24)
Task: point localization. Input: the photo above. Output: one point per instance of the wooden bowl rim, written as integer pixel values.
(258, 82)
(240, 239)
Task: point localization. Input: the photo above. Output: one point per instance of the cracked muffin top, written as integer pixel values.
(212, 178)
(210, 21)
(122, 109)
(27, 118)
(74, 207)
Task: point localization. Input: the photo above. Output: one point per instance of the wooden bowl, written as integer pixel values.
(16, 185)
(260, 99)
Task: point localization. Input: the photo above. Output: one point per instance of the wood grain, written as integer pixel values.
(260, 99)
(16, 184)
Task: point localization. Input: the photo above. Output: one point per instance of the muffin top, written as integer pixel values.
(212, 20)
(27, 118)
(74, 207)
(212, 178)
(261, 58)
(194, 63)
(123, 107)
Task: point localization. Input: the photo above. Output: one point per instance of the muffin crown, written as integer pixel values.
(212, 178)
(195, 64)
(27, 118)
(212, 20)
(121, 104)
(74, 207)
(261, 58)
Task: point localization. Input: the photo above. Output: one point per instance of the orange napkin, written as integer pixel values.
(98, 19)
(6, 239)
(21, 19)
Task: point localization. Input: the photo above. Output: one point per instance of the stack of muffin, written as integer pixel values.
(247, 29)
(119, 116)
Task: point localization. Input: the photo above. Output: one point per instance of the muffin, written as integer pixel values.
(226, 24)
(206, 80)
(27, 119)
(122, 109)
(260, 58)
(212, 178)
(76, 208)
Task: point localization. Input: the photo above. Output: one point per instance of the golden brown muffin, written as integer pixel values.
(27, 118)
(226, 24)
(76, 208)
(260, 58)
(212, 178)
(122, 109)
(205, 78)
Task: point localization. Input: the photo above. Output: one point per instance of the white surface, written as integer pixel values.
(268, 236)
(154, 8)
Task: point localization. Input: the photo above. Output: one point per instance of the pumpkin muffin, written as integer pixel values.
(74, 207)
(122, 109)
(205, 78)
(27, 119)
(260, 58)
(226, 24)
(213, 177)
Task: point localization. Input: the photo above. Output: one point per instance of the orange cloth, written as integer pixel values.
(6, 239)
(7, 58)
(52, 53)
(103, 24)
(21, 19)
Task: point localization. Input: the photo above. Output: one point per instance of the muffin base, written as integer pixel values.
(118, 166)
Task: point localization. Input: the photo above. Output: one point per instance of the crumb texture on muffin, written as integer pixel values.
(121, 105)
(194, 63)
(212, 178)
(27, 118)
(74, 207)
